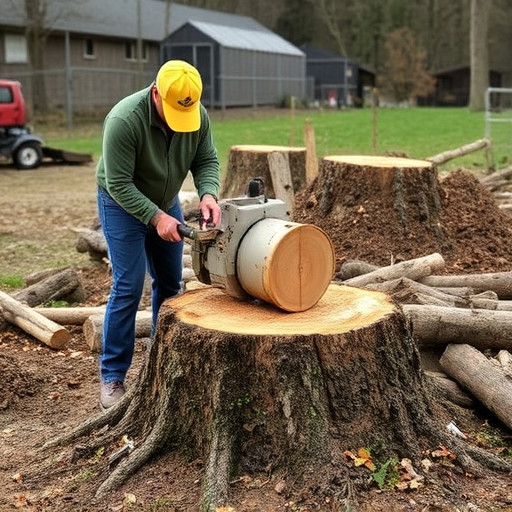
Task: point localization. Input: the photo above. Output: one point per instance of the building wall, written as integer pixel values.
(90, 84)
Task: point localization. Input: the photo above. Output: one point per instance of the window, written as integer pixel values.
(15, 49)
(130, 50)
(89, 49)
(6, 95)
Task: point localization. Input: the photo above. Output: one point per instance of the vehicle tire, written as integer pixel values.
(28, 156)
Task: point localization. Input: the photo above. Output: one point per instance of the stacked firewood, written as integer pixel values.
(468, 317)
(500, 185)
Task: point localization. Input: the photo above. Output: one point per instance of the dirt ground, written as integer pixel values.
(44, 392)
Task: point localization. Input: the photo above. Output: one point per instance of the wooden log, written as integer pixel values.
(50, 333)
(499, 282)
(279, 168)
(451, 390)
(497, 178)
(63, 285)
(445, 156)
(93, 242)
(70, 316)
(487, 382)
(504, 305)
(311, 158)
(354, 268)
(247, 162)
(407, 291)
(93, 328)
(459, 291)
(436, 325)
(413, 269)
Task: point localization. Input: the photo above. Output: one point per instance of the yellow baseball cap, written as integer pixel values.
(180, 86)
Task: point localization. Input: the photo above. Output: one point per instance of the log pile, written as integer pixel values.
(467, 316)
(499, 184)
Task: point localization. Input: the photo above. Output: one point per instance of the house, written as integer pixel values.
(91, 57)
(240, 66)
(453, 85)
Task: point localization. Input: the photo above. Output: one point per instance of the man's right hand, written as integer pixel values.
(166, 226)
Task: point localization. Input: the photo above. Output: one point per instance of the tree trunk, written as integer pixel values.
(478, 42)
(351, 190)
(250, 389)
(247, 162)
(487, 382)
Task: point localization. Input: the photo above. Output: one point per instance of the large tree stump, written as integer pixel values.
(356, 190)
(246, 162)
(250, 389)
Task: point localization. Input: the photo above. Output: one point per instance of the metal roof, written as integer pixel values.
(246, 39)
(118, 18)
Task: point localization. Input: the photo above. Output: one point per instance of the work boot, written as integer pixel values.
(111, 393)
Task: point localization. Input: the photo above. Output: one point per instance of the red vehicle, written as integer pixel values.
(17, 143)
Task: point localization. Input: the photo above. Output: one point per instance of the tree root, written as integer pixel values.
(110, 417)
(155, 440)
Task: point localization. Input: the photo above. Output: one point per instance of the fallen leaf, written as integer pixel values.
(20, 501)
(443, 452)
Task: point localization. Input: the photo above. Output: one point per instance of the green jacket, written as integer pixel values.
(143, 164)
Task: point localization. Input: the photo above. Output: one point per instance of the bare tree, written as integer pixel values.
(478, 52)
(36, 35)
(330, 15)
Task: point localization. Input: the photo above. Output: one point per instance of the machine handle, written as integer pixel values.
(186, 231)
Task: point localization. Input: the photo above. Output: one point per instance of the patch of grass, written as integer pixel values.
(419, 132)
(11, 281)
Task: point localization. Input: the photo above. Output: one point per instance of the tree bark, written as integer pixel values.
(487, 382)
(350, 190)
(50, 333)
(437, 325)
(247, 162)
(250, 389)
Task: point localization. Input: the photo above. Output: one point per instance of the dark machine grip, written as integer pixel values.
(186, 231)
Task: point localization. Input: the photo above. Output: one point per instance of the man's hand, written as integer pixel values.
(166, 226)
(210, 210)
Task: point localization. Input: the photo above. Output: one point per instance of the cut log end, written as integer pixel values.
(286, 264)
(341, 309)
(59, 339)
(380, 161)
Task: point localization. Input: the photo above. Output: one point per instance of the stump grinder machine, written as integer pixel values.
(258, 253)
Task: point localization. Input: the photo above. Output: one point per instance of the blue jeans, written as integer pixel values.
(133, 248)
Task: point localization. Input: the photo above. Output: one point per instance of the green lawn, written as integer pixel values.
(417, 132)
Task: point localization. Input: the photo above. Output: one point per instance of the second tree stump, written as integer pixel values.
(352, 194)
